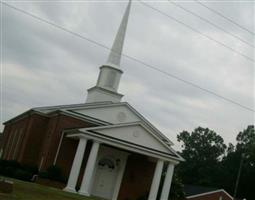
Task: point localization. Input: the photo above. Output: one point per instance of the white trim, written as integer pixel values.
(83, 118)
(48, 109)
(154, 189)
(132, 109)
(76, 166)
(120, 176)
(87, 179)
(6, 153)
(1, 153)
(10, 156)
(18, 142)
(44, 111)
(74, 107)
(132, 124)
(106, 90)
(125, 146)
(15, 140)
(59, 145)
(23, 115)
(41, 163)
(207, 193)
(167, 182)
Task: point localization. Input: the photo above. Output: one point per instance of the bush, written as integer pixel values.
(23, 175)
(14, 169)
(9, 163)
(8, 167)
(54, 173)
(43, 174)
(9, 171)
(31, 169)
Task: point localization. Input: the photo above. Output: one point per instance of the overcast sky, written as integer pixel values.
(42, 65)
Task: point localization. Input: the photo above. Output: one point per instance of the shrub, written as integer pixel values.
(54, 173)
(9, 163)
(23, 175)
(14, 169)
(43, 174)
(9, 171)
(31, 169)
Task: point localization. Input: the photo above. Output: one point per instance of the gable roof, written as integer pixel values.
(73, 110)
(133, 110)
(130, 136)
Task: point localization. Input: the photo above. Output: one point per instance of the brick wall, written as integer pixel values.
(137, 178)
(66, 156)
(34, 139)
(34, 133)
(53, 135)
(23, 135)
(5, 137)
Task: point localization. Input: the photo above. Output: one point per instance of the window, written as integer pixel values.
(106, 162)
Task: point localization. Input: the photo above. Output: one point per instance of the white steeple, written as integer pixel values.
(115, 54)
(107, 85)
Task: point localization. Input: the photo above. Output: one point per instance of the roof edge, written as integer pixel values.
(24, 114)
(211, 192)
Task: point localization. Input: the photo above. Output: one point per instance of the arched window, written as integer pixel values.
(106, 162)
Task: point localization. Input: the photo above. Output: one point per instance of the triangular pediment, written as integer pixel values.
(112, 113)
(134, 134)
(105, 113)
(118, 113)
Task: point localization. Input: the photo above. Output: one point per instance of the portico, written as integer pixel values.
(104, 163)
(107, 159)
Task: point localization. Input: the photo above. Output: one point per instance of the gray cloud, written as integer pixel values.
(46, 66)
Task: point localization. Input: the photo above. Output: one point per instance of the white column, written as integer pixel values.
(120, 176)
(167, 182)
(156, 180)
(89, 171)
(73, 177)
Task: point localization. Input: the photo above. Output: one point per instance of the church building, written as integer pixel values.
(104, 147)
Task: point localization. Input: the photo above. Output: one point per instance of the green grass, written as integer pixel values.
(32, 191)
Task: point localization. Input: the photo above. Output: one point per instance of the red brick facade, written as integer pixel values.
(55, 128)
(34, 140)
(137, 177)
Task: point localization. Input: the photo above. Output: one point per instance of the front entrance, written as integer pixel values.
(105, 178)
(108, 173)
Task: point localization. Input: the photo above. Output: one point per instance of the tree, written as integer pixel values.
(202, 150)
(176, 192)
(231, 162)
(210, 163)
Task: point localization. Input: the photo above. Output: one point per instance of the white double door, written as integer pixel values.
(108, 167)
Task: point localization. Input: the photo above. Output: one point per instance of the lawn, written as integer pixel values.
(31, 191)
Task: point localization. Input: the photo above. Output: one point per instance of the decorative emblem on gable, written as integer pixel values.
(136, 133)
(121, 116)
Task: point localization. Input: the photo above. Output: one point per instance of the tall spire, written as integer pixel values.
(108, 80)
(116, 50)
